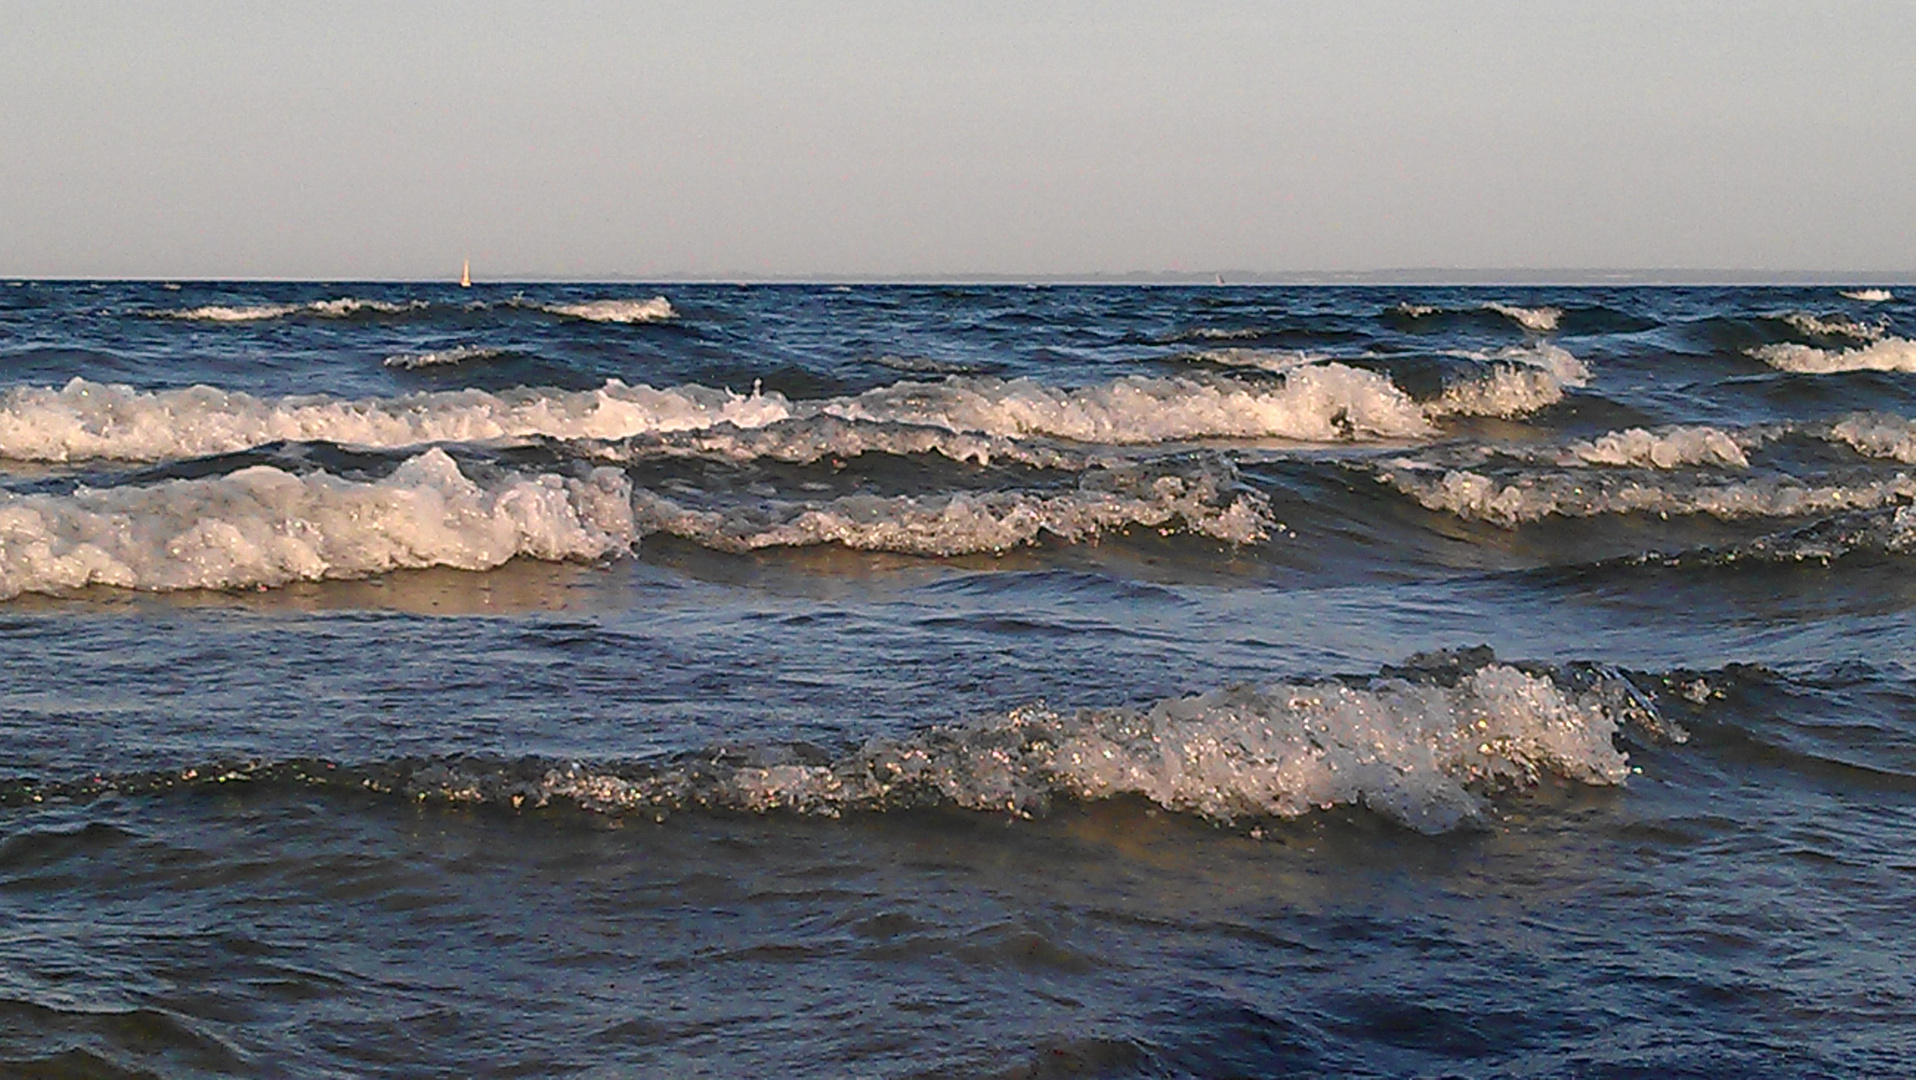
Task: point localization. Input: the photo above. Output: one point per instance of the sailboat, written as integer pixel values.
(465, 275)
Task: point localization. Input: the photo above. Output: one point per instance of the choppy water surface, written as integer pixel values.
(597, 681)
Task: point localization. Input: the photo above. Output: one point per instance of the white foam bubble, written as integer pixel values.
(1538, 319)
(1889, 354)
(1423, 755)
(1868, 296)
(1668, 448)
(263, 526)
(652, 309)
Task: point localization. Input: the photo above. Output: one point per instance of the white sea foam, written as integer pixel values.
(1321, 403)
(1423, 755)
(263, 526)
(1538, 319)
(1415, 311)
(1878, 435)
(968, 522)
(1514, 501)
(654, 309)
(340, 308)
(1326, 402)
(1835, 326)
(102, 420)
(1522, 379)
(1668, 448)
(1889, 354)
(458, 354)
(1868, 296)
(805, 439)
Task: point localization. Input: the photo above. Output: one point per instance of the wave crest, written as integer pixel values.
(263, 526)
(1888, 354)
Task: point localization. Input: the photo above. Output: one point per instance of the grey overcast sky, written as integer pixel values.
(709, 137)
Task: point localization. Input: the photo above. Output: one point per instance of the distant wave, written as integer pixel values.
(1430, 745)
(458, 354)
(264, 526)
(1835, 326)
(1868, 296)
(654, 309)
(340, 308)
(1888, 354)
(613, 310)
(1539, 320)
(1276, 361)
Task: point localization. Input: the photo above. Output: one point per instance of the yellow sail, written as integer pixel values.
(465, 275)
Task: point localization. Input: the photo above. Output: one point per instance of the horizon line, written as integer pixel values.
(1426, 276)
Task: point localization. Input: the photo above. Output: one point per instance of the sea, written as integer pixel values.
(613, 680)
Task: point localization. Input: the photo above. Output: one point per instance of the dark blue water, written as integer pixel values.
(595, 680)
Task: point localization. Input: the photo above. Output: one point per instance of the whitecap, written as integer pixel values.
(458, 354)
(340, 308)
(1835, 326)
(1538, 319)
(1668, 448)
(654, 309)
(263, 526)
(1513, 501)
(1888, 354)
(1868, 296)
(1423, 755)
(961, 523)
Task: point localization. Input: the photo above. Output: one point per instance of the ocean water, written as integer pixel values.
(603, 680)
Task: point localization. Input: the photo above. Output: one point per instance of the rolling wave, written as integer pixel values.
(263, 526)
(340, 308)
(1318, 403)
(1430, 746)
(1888, 354)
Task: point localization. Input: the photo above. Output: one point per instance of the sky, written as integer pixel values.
(864, 138)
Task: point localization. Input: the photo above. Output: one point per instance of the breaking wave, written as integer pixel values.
(264, 526)
(1207, 503)
(1835, 326)
(1322, 403)
(1510, 502)
(1538, 319)
(1669, 448)
(1868, 296)
(1430, 748)
(443, 357)
(343, 307)
(1888, 354)
(653, 309)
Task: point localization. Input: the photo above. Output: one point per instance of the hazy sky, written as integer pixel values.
(702, 137)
